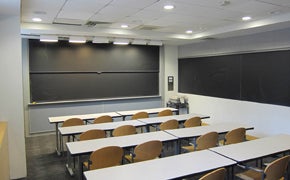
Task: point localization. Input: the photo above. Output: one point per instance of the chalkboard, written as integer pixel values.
(64, 71)
(262, 77)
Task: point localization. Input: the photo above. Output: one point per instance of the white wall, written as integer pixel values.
(267, 119)
(11, 95)
(170, 69)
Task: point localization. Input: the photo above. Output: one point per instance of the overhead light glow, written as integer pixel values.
(77, 39)
(188, 32)
(124, 26)
(246, 18)
(48, 38)
(168, 7)
(36, 19)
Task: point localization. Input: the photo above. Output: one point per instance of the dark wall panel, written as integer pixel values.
(211, 76)
(266, 77)
(258, 77)
(64, 71)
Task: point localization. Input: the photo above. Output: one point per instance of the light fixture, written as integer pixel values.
(119, 41)
(155, 43)
(168, 7)
(77, 39)
(246, 18)
(188, 32)
(100, 40)
(139, 42)
(48, 38)
(124, 26)
(36, 19)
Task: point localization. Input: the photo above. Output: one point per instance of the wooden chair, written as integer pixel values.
(145, 151)
(234, 136)
(192, 122)
(103, 119)
(72, 122)
(170, 124)
(205, 141)
(218, 174)
(166, 112)
(276, 170)
(105, 157)
(140, 115)
(124, 130)
(92, 134)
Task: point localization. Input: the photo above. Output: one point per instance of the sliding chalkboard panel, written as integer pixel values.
(266, 77)
(211, 76)
(64, 71)
(258, 77)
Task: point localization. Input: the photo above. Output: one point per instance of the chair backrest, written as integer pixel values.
(207, 140)
(166, 112)
(73, 122)
(140, 115)
(103, 119)
(192, 122)
(92, 134)
(235, 136)
(106, 157)
(148, 150)
(170, 124)
(277, 168)
(218, 174)
(124, 130)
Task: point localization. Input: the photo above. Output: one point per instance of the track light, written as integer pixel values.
(77, 39)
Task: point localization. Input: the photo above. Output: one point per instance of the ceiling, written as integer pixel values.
(146, 19)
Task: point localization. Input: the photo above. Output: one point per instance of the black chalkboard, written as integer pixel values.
(258, 77)
(64, 71)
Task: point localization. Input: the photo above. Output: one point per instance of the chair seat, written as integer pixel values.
(129, 158)
(190, 148)
(250, 175)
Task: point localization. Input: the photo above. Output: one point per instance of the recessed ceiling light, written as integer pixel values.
(77, 39)
(36, 19)
(121, 41)
(124, 26)
(48, 38)
(246, 18)
(188, 32)
(168, 7)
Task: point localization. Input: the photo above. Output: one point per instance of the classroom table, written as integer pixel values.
(255, 149)
(60, 119)
(171, 167)
(149, 111)
(194, 132)
(110, 126)
(79, 148)
(180, 118)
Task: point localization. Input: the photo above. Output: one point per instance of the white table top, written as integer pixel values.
(256, 148)
(163, 168)
(59, 119)
(104, 126)
(149, 111)
(83, 147)
(200, 130)
(181, 117)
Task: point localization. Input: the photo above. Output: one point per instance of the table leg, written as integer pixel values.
(57, 141)
(68, 164)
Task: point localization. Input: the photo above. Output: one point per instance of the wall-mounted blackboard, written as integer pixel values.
(258, 77)
(64, 71)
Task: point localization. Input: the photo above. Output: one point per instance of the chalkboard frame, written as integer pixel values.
(137, 64)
